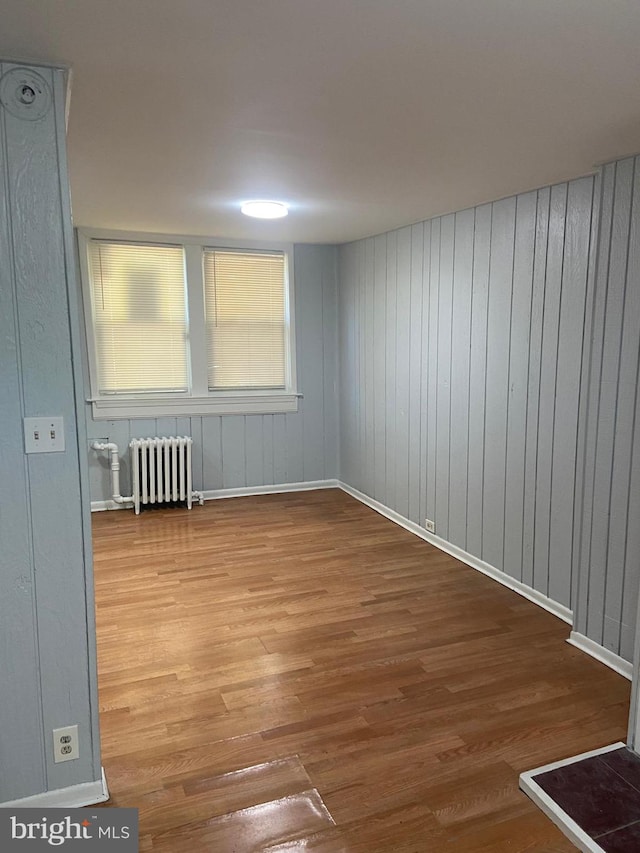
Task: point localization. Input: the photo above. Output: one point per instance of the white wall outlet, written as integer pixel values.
(65, 744)
(43, 435)
(429, 525)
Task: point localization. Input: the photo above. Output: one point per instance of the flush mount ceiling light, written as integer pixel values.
(265, 209)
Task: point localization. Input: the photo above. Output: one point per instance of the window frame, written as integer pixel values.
(199, 400)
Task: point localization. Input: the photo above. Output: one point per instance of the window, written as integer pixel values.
(140, 317)
(185, 328)
(244, 299)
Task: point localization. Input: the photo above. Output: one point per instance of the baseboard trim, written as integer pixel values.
(545, 803)
(103, 506)
(73, 797)
(538, 598)
(277, 489)
(595, 650)
(242, 492)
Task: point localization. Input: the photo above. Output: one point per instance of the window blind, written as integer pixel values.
(245, 319)
(140, 317)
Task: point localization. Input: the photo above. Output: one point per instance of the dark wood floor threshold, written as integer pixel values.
(594, 798)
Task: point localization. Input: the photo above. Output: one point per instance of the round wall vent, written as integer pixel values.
(25, 93)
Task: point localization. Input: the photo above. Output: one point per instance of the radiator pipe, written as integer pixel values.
(114, 467)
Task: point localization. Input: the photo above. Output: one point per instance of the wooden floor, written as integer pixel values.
(297, 673)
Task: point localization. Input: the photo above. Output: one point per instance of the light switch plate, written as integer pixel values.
(44, 435)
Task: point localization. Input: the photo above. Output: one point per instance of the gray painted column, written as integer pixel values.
(47, 630)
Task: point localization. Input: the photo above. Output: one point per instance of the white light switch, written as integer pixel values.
(43, 435)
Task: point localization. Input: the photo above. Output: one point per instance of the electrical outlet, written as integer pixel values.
(44, 435)
(429, 525)
(65, 744)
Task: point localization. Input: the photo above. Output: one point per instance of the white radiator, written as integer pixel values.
(161, 470)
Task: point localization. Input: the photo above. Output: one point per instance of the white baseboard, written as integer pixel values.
(241, 492)
(279, 488)
(543, 601)
(610, 659)
(102, 506)
(571, 829)
(73, 797)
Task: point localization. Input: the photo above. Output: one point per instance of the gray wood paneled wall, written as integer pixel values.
(610, 532)
(488, 367)
(461, 342)
(235, 451)
(47, 634)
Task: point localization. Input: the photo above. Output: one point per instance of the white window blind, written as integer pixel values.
(140, 317)
(245, 319)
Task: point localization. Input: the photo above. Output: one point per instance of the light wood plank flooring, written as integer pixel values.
(296, 673)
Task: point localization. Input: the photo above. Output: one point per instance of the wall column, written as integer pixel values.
(47, 629)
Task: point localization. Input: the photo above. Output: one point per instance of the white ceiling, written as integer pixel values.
(363, 115)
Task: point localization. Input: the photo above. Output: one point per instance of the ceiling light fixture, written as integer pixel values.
(265, 209)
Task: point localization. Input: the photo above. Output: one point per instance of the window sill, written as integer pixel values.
(163, 407)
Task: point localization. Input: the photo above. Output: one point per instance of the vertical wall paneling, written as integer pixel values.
(478, 377)
(533, 383)
(606, 415)
(432, 367)
(194, 428)
(18, 651)
(293, 428)
(147, 428)
(347, 365)
(213, 467)
(47, 386)
(567, 386)
(621, 338)
(390, 365)
(310, 345)
(379, 384)
(279, 448)
(443, 381)
(166, 426)
(254, 451)
(497, 378)
(424, 371)
(627, 380)
(415, 369)
(183, 426)
(518, 381)
(267, 449)
(234, 474)
(367, 366)
(548, 373)
(362, 469)
(631, 362)
(79, 375)
(403, 321)
(329, 363)
(587, 338)
(484, 349)
(459, 400)
(593, 395)
(608, 556)
(47, 662)
(631, 580)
